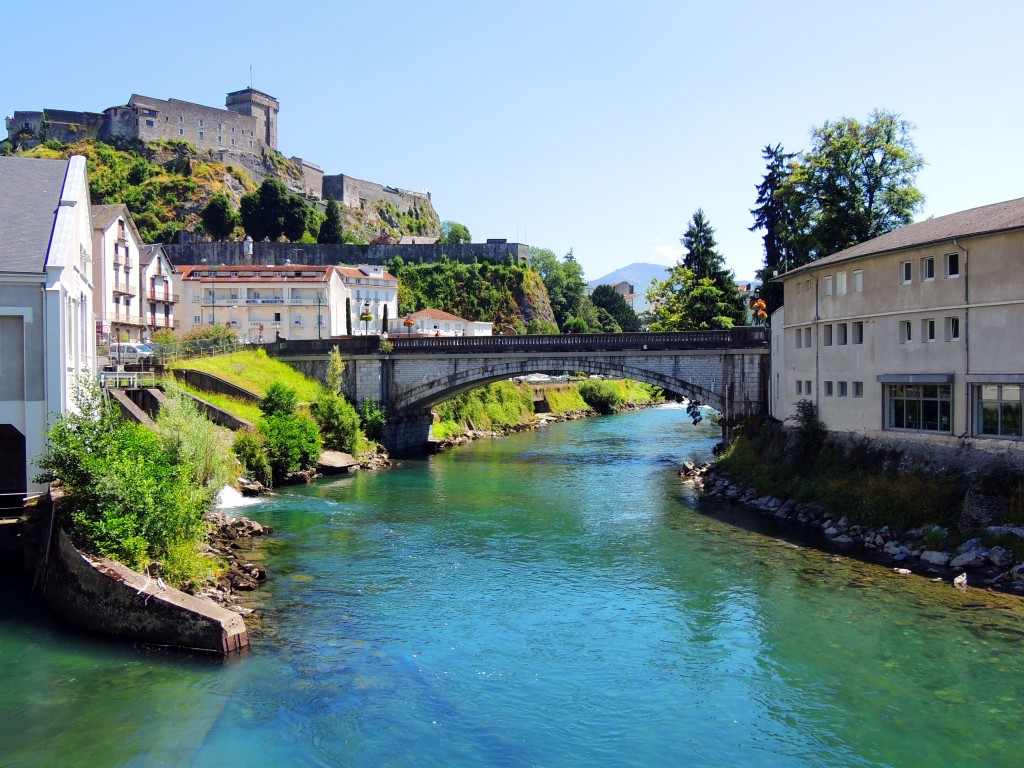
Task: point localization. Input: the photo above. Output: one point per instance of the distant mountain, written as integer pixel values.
(640, 274)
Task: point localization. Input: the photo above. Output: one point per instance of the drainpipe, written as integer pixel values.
(817, 351)
(967, 339)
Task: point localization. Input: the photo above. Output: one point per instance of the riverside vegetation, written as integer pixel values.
(864, 496)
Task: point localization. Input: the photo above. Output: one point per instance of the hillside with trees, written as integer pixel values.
(170, 186)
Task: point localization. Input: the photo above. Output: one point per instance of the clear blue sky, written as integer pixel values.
(598, 126)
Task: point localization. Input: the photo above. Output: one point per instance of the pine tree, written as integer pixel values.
(330, 230)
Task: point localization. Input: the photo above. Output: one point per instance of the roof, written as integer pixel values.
(436, 314)
(357, 272)
(149, 252)
(104, 215)
(30, 192)
(988, 219)
(293, 273)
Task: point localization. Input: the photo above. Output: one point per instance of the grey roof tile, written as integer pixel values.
(30, 191)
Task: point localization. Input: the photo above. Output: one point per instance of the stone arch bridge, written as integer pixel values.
(727, 370)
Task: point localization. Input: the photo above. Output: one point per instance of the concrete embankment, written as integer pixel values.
(101, 595)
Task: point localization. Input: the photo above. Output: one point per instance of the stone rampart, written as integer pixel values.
(230, 254)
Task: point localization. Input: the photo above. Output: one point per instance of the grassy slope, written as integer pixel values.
(255, 372)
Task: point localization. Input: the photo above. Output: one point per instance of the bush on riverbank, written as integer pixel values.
(500, 405)
(863, 483)
(565, 399)
(134, 495)
(285, 440)
(611, 395)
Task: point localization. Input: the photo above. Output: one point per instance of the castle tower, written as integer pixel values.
(263, 107)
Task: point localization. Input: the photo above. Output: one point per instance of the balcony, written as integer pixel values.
(163, 322)
(124, 289)
(164, 296)
(123, 318)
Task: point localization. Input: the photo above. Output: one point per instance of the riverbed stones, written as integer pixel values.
(1000, 557)
(934, 557)
(975, 557)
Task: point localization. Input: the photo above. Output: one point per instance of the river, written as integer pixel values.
(555, 598)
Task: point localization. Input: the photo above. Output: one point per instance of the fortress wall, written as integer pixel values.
(184, 120)
(342, 253)
(357, 193)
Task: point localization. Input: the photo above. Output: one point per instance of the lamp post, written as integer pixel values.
(408, 323)
(319, 316)
(366, 317)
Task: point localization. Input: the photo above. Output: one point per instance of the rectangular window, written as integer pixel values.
(807, 337)
(828, 285)
(858, 389)
(906, 272)
(905, 331)
(220, 126)
(799, 387)
(927, 330)
(220, 139)
(181, 131)
(149, 123)
(202, 135)
(841, 334)
(807, 387)
(807, 286)
(826, 335)
(828, 389)
(842, 388)
(952, 264)
(919, 407)
(181, 118)
(799, 336)
(841, 283)
(858, 332)
(952, 328)
(997, 410)
(858, 281)
(927, 269)
(196, 320)
(201, 124)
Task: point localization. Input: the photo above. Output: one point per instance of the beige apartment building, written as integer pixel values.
(115, 275)
(917, 335)
(261, 302)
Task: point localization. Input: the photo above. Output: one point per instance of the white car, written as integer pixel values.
(130, 352)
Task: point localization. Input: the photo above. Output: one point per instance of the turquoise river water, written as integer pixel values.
(556, 598)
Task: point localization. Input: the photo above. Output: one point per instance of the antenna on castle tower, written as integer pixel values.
(250, 75)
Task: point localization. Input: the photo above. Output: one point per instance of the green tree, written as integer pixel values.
(263, 211)
(453, 233)
(348, 316)
(566, 288)
(330, 230)
(703, 261)
(777, 216)
(295, 218)
(218, 217)
(614, 303)
(856, 182)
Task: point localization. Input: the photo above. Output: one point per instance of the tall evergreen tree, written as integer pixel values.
(607, 298)
(330, 230)
(775, 214)
(218, 217)
(703, 261)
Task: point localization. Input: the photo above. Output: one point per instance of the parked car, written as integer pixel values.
(130, 352)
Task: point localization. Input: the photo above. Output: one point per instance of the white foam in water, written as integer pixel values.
(228, 498)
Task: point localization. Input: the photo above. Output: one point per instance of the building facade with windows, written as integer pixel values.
(118, 300)
(156, 291)
(373, 298)
(914, 335)
(47, 339)
(261, 303)
(436, 322)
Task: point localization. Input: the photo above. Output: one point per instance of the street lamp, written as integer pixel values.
(366, 317)
(408, 323)
(319, 315)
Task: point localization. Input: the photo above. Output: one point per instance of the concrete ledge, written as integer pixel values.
(211, 383)
(103, 596)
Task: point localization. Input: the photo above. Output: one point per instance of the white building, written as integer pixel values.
(912, 336)
(157, 294)
(295, 301)
(47, 337)
(373, 298)
(435, 322)
(115, 274)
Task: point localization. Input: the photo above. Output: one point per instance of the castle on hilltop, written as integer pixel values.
(244, 133)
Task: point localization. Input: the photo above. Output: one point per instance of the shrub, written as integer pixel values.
(292, 443)
(374, 418)
(250, 448)
(600, 395)
(339, 423)
(279, 400)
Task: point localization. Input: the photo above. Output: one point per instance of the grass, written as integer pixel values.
(565, 399)
(243, 409)
(254, 371)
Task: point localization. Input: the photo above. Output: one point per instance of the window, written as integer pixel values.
(858, 332)
(149, 123)
(799, 334)
(998, 410)
(807, 387)
(905, 331)
(952, 328)
(181, 131)
(181, 118)
(828, 285)
(952, 264)
(826, 335)
(858, 281)
(927, 269)
(828, 389)
(841, 283)
(799, 387)
(858, 389)
(807, 337)
(842, 389)
(220, 139)
(197, 320)
(277, 317)
(807, 286)
(906, 272)
(220, 126)
(927, 330)
(201, 124)
(920, 407)
(841, 334)
(202, 135)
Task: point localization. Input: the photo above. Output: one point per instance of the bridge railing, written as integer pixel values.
(745, 337)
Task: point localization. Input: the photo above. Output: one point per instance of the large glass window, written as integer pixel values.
(998, 410)
(921, 407)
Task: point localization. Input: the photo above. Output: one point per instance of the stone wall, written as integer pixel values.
(65, 126)
(197, 124)
(358, 194)
(230, 254)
